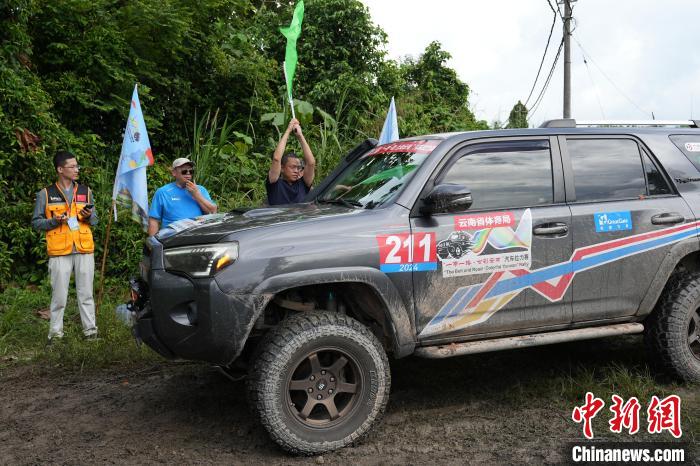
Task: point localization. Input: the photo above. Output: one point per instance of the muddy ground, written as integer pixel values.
(503, 408)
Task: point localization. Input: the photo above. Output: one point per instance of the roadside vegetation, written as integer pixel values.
(24, 327)
(211, 88)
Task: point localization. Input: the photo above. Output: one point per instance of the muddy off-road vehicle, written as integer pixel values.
(575, 233)
(455, 246)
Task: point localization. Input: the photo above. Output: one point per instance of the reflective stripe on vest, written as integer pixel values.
(61, 240)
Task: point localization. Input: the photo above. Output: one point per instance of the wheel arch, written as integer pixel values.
(684, 256)
(397, 321)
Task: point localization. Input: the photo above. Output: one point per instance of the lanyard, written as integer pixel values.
(68, 206)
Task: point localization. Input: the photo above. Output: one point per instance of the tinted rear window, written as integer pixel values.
(690, 146)
(606, 169)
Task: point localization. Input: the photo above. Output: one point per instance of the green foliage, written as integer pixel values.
(68, 67)
(518, 116)
(435, 98)
(225, 162)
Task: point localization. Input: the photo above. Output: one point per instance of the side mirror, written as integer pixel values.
(447, 198)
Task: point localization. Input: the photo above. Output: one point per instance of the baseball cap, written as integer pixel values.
(182, 161)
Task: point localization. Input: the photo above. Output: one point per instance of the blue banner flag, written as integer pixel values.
(130, 189)
(390, 131)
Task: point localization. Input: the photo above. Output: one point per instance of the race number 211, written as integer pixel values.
(406, 252)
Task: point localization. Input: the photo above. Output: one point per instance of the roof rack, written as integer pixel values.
(572, 123)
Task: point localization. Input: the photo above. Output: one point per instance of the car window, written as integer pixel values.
(656, 183)
(606, 169)
(689, 145)
(500, 175)
(379, 176)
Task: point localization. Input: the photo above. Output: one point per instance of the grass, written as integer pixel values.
(23, 331)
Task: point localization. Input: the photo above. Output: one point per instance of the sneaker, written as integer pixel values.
(92, 337)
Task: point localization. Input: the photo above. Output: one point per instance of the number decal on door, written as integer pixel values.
(405, 252)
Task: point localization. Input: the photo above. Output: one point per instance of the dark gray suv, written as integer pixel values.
(436, 246)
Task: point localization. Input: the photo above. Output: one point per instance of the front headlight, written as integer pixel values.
(201, 261)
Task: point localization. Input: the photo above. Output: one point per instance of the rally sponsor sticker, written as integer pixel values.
(485, 243)
(415, 147)
(407, 252)
(692, 146)
(613, 221)
(491, 220)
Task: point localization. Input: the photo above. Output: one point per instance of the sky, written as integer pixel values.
(642, 56)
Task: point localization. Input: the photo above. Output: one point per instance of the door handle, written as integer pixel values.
(556, 228)
(667, 218)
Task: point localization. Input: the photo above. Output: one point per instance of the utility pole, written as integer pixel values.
(567, 58)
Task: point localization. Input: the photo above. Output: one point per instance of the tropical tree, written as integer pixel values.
(518, 116)
(434, 98)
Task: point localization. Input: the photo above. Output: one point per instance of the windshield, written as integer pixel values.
(378, 176)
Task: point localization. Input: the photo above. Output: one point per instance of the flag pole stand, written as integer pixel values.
(104, 258)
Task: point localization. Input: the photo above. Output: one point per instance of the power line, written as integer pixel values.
(531, 111)
(595, 88)
(586, 54)
(544, 55)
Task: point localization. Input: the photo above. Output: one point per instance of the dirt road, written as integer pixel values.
(501, 408)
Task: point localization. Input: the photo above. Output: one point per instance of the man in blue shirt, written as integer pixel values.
(180, 199)
(288, 181)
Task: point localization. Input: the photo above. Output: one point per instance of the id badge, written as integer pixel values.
(73, 223)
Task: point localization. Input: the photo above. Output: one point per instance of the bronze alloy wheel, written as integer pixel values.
(324, 387)
(694, 333)
(320, 381)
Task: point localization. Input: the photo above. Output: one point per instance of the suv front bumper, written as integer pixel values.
(193, 319)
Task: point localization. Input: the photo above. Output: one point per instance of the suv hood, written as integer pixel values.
(212, 228)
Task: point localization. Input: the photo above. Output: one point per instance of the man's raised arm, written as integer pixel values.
(309, 160)
(276, 165)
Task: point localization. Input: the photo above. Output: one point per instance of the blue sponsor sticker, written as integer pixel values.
(613, 221)
(415, 267)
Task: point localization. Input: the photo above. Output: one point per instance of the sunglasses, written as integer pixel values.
(187, 172)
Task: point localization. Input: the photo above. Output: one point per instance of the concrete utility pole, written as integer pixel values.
(567, 58)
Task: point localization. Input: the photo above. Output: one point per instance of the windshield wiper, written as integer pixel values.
(340, 201)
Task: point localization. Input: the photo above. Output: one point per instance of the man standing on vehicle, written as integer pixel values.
(65, 212)
(180, 199)
(288, 180)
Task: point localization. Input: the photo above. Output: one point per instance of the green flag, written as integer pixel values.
(292, 34)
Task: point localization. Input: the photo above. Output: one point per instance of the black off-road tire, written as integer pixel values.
(672, 331)
(314, 366)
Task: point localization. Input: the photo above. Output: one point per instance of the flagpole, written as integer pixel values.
(289, 93)
(104, 258)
